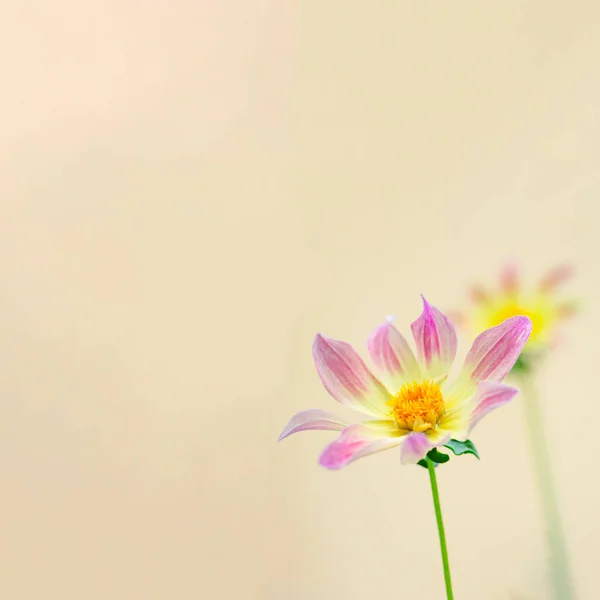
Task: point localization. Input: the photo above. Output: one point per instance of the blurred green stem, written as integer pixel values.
(553, 527)
(440, 523)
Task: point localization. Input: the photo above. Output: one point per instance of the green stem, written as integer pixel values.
(440, 523)
(548, 498)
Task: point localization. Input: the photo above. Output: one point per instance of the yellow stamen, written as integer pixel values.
(417, 406)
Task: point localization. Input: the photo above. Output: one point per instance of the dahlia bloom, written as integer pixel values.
(411, 405)
(542, 303)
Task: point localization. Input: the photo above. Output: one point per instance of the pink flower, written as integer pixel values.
(411, 404)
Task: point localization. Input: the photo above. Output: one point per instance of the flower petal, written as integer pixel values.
(495, 351)
(392, 356)
(455, 421)
(414, 448)
(312, 419)
(479, 295)
(347, 378)
(360, 440)
(509, 278)
(555, 278)
(436, 341)
(491, 357)
(490, 395)
(565, 310)
(438, 436)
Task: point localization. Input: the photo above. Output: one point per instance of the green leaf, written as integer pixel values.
(467, 447)
(437, 458)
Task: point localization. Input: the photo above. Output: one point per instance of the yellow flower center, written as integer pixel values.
(417, 406)
(513, 309)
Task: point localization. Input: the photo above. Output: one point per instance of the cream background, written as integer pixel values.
(190, 191)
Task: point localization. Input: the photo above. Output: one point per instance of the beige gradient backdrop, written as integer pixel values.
(191, 190)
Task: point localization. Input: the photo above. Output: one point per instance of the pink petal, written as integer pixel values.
(436, 341)
(555, 278)
(347, 378)
(490, 395)
(414, 448)
(491, 357)
(392, 356)
(509, 278)
(479, 295)
(357, 441)
(312, 419)
(566, 310)
(495, 351)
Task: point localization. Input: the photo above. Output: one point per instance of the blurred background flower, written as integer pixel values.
(545, 305)
(544, 302)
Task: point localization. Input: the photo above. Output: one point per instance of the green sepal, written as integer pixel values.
(466, 447)
(436, 457)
